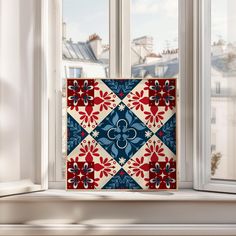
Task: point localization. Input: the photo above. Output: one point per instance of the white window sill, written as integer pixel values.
(179, 195)
(57, 212)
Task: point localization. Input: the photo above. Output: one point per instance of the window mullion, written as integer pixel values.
(114, 38)
(125, 47)
(120, 58)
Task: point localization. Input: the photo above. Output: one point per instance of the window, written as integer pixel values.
(126, 44)
(154, 45)
(223, 48)
(85, 39)
(23, 120)
(215, 154)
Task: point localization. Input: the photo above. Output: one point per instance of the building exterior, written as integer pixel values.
(223, 108)
(82, 59)
(91, 59)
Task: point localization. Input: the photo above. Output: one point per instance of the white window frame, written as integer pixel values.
(202, 101)
(40, 78)
(120, 67)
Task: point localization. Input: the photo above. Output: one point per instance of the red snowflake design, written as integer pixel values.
(154, 151)
(138, 100)
(105, 100)
(80, 175)
(80, 93)
(162, 175)
(138, 166)
(89, 151)
(154, 116)
(162, 92)
(89, 116)
(105, 167)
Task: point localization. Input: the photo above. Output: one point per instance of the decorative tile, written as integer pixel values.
(162, 92)
(121, 87)
(75, 133)
(80, 175)
(122, 180)
(104, 101)
(121, 134)
(152, 116)
(167, 133)
(105, 167)
(80, 92)
(162, 175)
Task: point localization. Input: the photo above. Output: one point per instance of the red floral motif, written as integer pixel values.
(162, 92)
(138, 166)
(153, 117)
(167, 159)
(105, 167)
(96, 85)
(76, 159)
(104, 100)
(162, 175)
(80, 175)
(89, 116)
(138, 100)
(154, 151)
(146, 87)
(89, 151)
(80, 93)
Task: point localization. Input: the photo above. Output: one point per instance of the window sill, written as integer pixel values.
(172, 196)
(184, 212)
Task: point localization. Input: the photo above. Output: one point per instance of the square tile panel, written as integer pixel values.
(121, 134)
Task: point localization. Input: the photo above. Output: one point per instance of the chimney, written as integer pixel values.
(95, 43)
(64, 31)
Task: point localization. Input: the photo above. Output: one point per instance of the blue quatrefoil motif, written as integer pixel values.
(122, 134)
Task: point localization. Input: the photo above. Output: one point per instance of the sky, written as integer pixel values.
(85, 17)
(223, 20)
(156, 18)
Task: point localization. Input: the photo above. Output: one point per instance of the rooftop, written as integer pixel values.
(80, 51)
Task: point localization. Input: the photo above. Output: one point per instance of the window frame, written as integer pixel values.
(202, 101)
(40, 139)
(120, 67)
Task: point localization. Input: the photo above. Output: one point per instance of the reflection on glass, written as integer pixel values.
(85, 46)
(223, 89)
(85, 38)
(154, 32)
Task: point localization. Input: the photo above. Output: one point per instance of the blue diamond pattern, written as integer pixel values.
(167, 134)
(121, 87)
(122, 133)
(122, 181)
(75, 134)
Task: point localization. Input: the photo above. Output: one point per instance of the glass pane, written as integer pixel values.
(154, 34)
(223, 89)
(85, 46)
(86, 37)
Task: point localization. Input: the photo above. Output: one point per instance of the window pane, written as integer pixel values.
(223, 89)
(154, 33)
(85, 46)
(86, 37)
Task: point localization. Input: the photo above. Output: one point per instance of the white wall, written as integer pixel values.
(17, 60)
